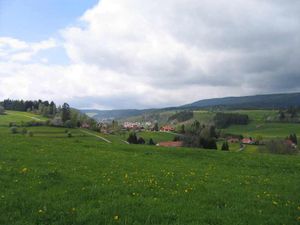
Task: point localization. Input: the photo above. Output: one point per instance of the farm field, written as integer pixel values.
(52, 179)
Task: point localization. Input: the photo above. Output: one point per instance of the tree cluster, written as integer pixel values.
(200, 136)
(289, 115)
(280, 147)
(133, 139)
(182, 116)
(39, 107)
(224, 120)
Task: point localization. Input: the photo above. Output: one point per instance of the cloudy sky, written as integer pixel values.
(112, 54)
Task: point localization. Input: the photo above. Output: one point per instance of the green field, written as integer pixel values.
(52, 179)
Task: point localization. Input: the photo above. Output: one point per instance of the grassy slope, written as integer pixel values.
(83, 180)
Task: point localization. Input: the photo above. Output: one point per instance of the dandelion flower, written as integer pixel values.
(116, 217)
(24, 170)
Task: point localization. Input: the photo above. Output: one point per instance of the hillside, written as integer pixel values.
(52, 179)
(114, 114)
(272, 101)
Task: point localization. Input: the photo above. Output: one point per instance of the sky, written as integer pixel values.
(119, 54)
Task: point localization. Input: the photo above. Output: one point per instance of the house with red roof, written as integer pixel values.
(248, 141)
(167, 128)
(170, 144)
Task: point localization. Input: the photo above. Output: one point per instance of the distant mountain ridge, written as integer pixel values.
(268, 101)
(255, 101)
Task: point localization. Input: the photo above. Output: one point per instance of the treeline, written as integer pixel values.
(224, 120)
(134, 139)
(199, 136)
(61, 116)
(45, 108)
(182, 116)
(289, 115)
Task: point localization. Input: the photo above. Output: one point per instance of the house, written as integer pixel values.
(248, 141)
(170, 144)
(290, 143)
(85, 125)
(167, 128)
(132, 125)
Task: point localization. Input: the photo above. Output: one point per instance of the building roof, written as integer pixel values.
(171, 144)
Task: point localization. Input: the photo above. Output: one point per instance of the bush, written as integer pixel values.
(24, 131)
(2, 111)
(68, 124)
(34, 123)
(225, 146)
(141, 141)
(30, 133)
(66, 131)
(281, 147)
(132, 139)
(14, 130)
(69, 134)
(12, 124)
(151, 142)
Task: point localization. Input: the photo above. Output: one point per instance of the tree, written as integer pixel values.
(66, 113)
(14, 130)
(151, 142)
(156, 127)
(132, 139)
(225, 146)
(281, 115)
(141, 141)
(1, 110)
(182, 129)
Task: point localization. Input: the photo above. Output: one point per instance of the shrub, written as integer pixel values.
(69, 134)
(68, 124)
(14, 130)
(2, 111)
(141, 141)
(66, 131)
(12, 124)
(151, 142)
(24, 131)
(132, 139)
(281, 147)
(225, 146)
(30, 133)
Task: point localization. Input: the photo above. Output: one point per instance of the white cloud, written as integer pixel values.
(12, 49)
(138, 53)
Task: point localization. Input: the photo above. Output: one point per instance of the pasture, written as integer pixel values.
(52, 179)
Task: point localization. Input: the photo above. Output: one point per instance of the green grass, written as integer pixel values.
(266, 130)
(83, 180)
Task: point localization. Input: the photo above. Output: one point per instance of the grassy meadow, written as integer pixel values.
(52, 179)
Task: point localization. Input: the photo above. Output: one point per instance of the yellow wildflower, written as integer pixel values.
(275, 203)
(40, 211)
(24, 170)
(116, 217)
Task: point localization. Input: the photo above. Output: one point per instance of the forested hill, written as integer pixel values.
(250, 102)
(273, 101)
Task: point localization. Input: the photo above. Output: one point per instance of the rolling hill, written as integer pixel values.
(271, 101)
